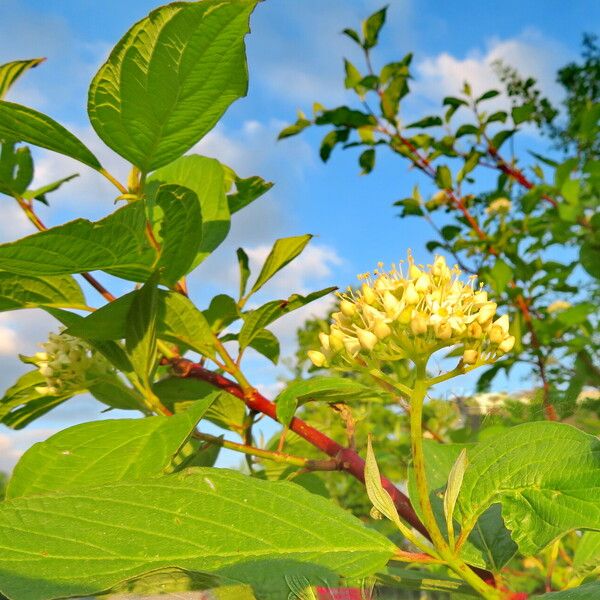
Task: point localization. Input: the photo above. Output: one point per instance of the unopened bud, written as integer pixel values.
(381, 330)
(317, 358)
(348, 308)
(503, 323)
(470, 357)
(411, 295)
(336, 339)
(443, 331)
(352, 345)
(391, 304)
(496, 334)
(418, 325)
(474, 330)
(324, 339)
(508, 344)
(366, 339)
(423, 283)
(486, 312)
(414, 272)
(368, 294)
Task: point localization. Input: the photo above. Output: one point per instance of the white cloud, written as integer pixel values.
(14, 443)
(530, 53)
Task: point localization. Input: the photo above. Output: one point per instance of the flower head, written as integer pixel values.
(558, 306)
(411, 312)
(500, 206)
(68, 364)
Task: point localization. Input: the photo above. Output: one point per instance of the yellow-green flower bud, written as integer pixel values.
(507, 345)
(470, 356)
(486, 312)
(348, 308)
(317, 358)
(366, 339)
(443, 331)
(324, 339)
(411, 295)
(381, 330)
(368, 294)
(418, 324)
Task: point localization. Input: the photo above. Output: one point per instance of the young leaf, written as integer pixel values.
(22, 403)
(10, 72)
(378, 496)
(443, 177)
(116, 244)
(206, 177)
(21, 124)
(372, 26)
(196, 520)
(455, 480)
(131, 449)
(244, 265)
(40, 193)
(173, 74)
(140, 329)
(284, 251)
(222, 311)
(256, 320)
(22, 291)
(555, 489)
(247, 191)
(330, 389)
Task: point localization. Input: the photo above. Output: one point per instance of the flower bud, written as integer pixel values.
(352, 345)
(381, 330)
(418, 325)
(486, 312)
(348, 308)
(503, 323)
(324, 339)
(423, 283)
(474, 330)
(443, 331)
(405, 316)
(368, 294)
(414, 272)
(336, 339)
(317, 358)
(410, 294)
(391, 304)
(508, 344)
(496, 334)
(470, 356)
(366, 339)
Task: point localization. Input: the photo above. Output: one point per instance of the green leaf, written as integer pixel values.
(40, 193)
(501, 137)
(222, 311)
(372, 26)
(22, 403)
(178, 394)
(179, 321)
(379, 496)
(116, 244)
(101, 452)
(113, 392)
(353, 75)
(16, 169)
(330, 389)
(487, 96)
(10, 72)
(206, 178)
(21, 124)
(588, 256)
(366, 161)
(284, 251)
(170, 79)
(520, 114)
(353, 35)
(555, 489)
(500, 275)
(587, 554)
(426, 122)
(443, 177)
(177, 222)
(140, 330)
(247, 191)
(200, 520)
(256, 320)
(455, 479)
(244, 265)
(489, 545)
(588, 591)
(266, 343)
(22, 291)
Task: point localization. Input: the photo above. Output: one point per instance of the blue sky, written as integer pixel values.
(295, 56)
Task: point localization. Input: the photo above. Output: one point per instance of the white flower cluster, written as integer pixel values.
(68, 364)
(500, 206)
(396, 315)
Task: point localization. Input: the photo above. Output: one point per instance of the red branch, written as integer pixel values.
(348, 460)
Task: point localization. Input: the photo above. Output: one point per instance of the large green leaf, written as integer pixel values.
(116, 244)
(179, 321)
(10, 72)
(21, 124)
(23, 291)
(282, 253)
(489, 545)
(170, 78)
(104, 452)
(587, 554)
(256, 320)
(330, 389)
(22, 403)
(16, 169)
(82, 541)
(208, 179)
(545, 475)
(588, 591)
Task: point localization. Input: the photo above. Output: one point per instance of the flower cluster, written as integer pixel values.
(500, 206)
(68, 364)
(398, 315)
